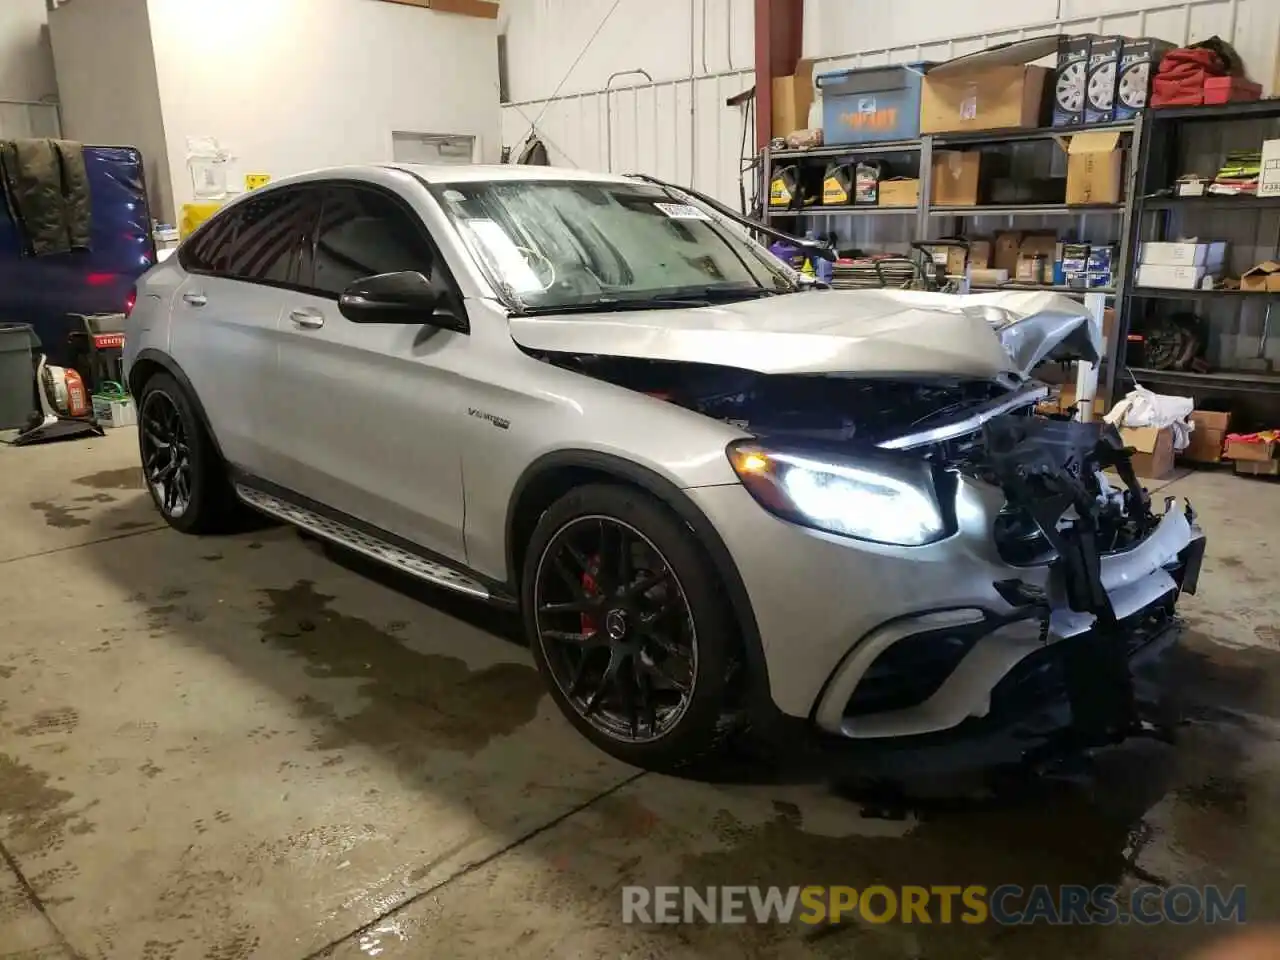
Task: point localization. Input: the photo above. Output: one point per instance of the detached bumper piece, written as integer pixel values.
(1052, 471)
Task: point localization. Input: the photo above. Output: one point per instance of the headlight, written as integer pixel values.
(888, 503)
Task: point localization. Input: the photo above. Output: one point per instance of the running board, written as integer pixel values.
(363, 543)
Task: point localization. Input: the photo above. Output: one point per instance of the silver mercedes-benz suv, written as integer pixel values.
(715, 489)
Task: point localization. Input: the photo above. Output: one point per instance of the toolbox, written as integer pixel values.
(872, 104)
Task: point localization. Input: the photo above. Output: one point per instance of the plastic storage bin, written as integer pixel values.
(873, 104)
(17, 376)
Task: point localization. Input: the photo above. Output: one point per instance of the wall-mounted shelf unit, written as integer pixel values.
(1236, 323)
(933, 221)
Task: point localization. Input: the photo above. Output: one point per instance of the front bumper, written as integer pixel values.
(828, 608)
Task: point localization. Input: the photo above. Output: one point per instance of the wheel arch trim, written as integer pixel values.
(689, 513)
(172, 367)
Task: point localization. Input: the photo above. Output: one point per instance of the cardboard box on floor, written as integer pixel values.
(1208, 437)
(1153, 450)
(1243, 450)
(990, 90)
(792, 97)
(1095, 165)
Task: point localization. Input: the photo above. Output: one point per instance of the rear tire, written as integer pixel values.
(671, 647)
(180, 464)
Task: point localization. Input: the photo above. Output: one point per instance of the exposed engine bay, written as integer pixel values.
(1044, 464)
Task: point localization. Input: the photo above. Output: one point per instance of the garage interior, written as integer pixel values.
(257, 745)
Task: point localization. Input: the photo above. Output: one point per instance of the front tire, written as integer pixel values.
(628, 626)
(186, 478)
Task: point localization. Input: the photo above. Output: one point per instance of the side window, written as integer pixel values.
(363, 233)
(269, 237)
(207, 251)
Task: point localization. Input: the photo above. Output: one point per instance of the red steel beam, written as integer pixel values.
(779, 38)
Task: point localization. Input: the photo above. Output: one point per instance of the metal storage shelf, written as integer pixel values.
(1210, 202)
(1174, 293)
(1027, 210)
(835, 151)
(1237, 380)
(1038, 287)
(1246, 110)
(980, 137)
(843, 211)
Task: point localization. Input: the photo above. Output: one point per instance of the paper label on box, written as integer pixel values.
(969, 107)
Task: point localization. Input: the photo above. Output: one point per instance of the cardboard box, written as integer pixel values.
(1269, 175)
(1100, 85)
(1095, 168)
(992, 89)
(1153, 450)
(956, 178)
(1139, 59)
(1036, 255)
(1069, 81)
(1005, 256)
(1265, 468)
(1243, 450)
(792, 97)
(979, 254)
(988, 276)
(1185, 253)
(1208, 437)
(1261, 277)
(1169, 277)
(900, 192)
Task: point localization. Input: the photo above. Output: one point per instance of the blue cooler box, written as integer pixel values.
(872, 104)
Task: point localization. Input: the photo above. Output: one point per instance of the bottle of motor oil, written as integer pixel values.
(837, 187)
(784, 188)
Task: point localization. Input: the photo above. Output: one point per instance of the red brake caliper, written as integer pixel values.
(589, 624)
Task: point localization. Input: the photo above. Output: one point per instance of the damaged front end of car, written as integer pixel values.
(1050, 572)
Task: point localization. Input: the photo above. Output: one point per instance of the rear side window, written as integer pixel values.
(270, 231)
(207, 251)
(363, 233)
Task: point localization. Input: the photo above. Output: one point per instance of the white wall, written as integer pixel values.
(26, 71)
(868, 32)
(698, 52)
(291, 85)
(115, 103)
(671, 39)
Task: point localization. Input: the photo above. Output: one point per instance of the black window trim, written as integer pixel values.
(439, 266)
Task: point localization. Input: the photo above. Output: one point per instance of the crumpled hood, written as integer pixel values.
(862, 332)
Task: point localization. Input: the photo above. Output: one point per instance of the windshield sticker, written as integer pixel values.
(681, 211)
(455, 196)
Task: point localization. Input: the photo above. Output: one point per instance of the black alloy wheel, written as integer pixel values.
(616, 629)
(166, 454)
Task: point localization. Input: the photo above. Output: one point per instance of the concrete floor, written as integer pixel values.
(228, 748)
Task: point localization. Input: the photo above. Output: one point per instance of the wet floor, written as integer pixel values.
(228, 748)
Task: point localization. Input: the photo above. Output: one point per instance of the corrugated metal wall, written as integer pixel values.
(682, 130)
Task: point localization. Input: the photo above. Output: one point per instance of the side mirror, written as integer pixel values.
(404, 297)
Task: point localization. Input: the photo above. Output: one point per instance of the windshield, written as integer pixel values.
(555, 245)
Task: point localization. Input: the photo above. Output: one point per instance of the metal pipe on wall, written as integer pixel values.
(608, 108)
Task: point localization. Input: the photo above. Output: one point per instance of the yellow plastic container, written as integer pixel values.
(194, 214)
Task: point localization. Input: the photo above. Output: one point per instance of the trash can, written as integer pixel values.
(17, 375)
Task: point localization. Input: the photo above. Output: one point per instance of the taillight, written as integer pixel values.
(130, 301)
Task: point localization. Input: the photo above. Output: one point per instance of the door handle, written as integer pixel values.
(195, 299)
(307, 319)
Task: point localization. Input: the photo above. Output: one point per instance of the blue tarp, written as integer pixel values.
(46, 291)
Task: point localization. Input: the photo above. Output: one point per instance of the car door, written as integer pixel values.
(370, 412)
(225, 333)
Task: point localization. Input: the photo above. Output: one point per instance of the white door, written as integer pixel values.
(432, 148)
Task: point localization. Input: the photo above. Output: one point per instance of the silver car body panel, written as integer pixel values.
(427, 434)
(867, 332)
